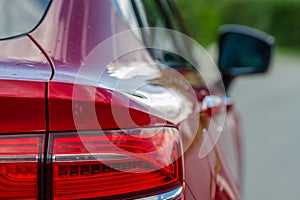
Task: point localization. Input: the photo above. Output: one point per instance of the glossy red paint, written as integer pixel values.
(68, 44)
(20, 59)
(66, 36)
(24, 71)
(79, 26)
(94, 109)
(22, 105)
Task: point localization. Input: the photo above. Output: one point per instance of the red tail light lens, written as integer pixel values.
(19, 159)
(115, 164)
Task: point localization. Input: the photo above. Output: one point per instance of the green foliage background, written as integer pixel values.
(280, 18)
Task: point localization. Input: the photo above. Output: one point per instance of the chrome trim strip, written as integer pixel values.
(26, 158)
(171, 195)
(89, 157)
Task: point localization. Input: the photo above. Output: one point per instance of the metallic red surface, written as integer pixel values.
(22, 103)
(68, 33)
(71, 30)
(82, 26)
(22, 106)
(95, 108)
(20, 59)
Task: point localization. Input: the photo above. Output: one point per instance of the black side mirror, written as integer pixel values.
(244, 50)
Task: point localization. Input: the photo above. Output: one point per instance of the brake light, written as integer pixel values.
(19, 159)
(122, 164)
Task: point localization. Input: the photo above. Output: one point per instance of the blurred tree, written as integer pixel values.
(279, 18)
(202, 18)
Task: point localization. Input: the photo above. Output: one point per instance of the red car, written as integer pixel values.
(90, 108)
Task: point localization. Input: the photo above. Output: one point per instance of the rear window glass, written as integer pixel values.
(20, 16)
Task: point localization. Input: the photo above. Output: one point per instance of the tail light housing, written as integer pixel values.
(20, 157)
(117, 164)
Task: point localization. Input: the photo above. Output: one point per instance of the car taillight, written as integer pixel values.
(122, 164)
(19, 163)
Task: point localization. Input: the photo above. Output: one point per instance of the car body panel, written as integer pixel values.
(82, 26)
(21, 59)
(69, 45)
(22, 105)
(94, 109)
(68, 34)
(24, 71)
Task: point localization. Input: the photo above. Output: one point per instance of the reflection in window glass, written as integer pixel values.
(20, 16)
(125, 10)
(158, 13)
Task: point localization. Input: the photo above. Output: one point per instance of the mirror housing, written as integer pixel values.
(244, 50)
